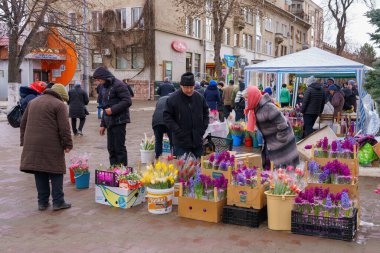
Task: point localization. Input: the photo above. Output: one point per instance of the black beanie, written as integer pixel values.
(187, 79)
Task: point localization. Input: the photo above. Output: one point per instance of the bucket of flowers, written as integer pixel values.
(147, 149)
(284, 183)
(237, 131)
(82, 176)
(202, 198)
(77, 161)
(159, 180)
(325, 214)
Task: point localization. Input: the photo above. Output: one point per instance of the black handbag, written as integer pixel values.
(14, 116)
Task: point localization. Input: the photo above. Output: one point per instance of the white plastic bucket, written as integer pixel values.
(160, 201)
(147, 156)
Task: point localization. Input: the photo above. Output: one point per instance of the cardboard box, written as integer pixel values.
(353, 189)
(376, 148)
(247, 197)
(199, 209)
(353, 164)
(251, 160)
(119, 197)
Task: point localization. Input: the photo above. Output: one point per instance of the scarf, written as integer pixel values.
(254, 96)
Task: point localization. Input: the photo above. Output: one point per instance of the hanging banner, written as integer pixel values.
(230, 60)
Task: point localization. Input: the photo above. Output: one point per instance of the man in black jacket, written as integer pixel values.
(186, 115)
(312, 105)
(165, 88)
(116, 102)
(159, 127)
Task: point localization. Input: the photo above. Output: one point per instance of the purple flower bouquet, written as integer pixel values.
(219, 161)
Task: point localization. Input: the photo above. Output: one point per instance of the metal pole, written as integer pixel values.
(85, 53)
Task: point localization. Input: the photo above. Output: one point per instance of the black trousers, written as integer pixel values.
(159, 132)
(227, 111)
(74, 124)
(43, 187)
(308, 123)
(116, 144)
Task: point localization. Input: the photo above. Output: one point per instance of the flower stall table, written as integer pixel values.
(218, 129)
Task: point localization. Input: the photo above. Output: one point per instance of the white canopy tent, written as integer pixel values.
(312, 61)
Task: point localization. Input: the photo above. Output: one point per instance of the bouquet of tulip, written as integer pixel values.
(289, 181)
(187, 166)
(297, 126)
(237, 128)
(202, 186)
(333, 172)
(147, 143)
(320, 202)
(79, 164)
(219, 161)
(160, 176)
(245, 176)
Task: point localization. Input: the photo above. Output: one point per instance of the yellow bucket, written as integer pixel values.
(279, 211)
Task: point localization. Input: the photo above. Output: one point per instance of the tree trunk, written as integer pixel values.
(217, 59)
(13, 71)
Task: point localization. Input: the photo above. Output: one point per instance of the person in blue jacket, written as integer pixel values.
(212, 95)
(27, 94)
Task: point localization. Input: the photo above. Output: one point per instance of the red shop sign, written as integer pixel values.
(179, 46)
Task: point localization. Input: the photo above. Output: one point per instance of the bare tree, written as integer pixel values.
(338, 10)
(27, 24)
(220, 11)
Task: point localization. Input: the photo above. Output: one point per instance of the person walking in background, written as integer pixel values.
(186, 115)
(212, 95)
(27, 94)
(78, 99)
(239, 103)
(284, 96)
(199, 88)
(337, 99)
(312, 105)
(221, 103)
(129, 87)
(165, 88)
(45, 137)
(227, 95)
(100, 92)
(159, 127)
(116, 102)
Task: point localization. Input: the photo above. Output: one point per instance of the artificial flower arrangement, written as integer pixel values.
(320, 202)
(79, 164)
(214, 116)
(219, 161)
(147, 143)
(335, 149)
(160, 176)
(333, 172)
(286, 181)
(202, 187)
(245, 176)
(237, 128)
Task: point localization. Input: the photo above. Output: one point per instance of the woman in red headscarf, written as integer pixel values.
(280, 145)
(27, 94)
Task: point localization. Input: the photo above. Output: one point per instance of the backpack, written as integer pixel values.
(14, 116)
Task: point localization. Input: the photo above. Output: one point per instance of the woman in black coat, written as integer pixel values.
(78, 99)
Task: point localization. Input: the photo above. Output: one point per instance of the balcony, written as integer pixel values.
(237, 51)
(239, 22)
(279, 38)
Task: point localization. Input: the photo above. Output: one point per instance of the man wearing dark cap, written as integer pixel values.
(116, 101)
(187, 117)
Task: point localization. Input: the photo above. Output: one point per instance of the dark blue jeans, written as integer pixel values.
(43, 188)
(198, 152)
(159, 132)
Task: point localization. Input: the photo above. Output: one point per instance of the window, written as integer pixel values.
(298, 6)
(248, 16)
(277, 27)
(72, 19)
(121, 59)
(244, 41)
(284, 30)
(197, 28)
(304, 38)
(97, 60)
(121, 15)
(189, 61)
(236, 40)
(208, 29)
(258, 25)
(227, 35)
(168, 69)
(258, 43)
(137, 58)
(283, 50)
(96, 21)
(52, 19)
(188, 26)
(249, 42)
(197, 64)
(136, 14)
(268, 24)
(298, 36)
(268, 47)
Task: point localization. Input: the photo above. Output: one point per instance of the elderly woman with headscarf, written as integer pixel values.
(312, 104)
(280, 145)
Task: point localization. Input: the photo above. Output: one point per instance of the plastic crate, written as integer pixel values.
(244, 216)
(333, 228)
(106, 178)
(216, 144)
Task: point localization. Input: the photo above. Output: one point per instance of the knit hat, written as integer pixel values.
(187, 79)
(38, 86)
(332, 79)
(61, 90)
(352, 82)
(213, 83)
(333, 87)
(268, 90)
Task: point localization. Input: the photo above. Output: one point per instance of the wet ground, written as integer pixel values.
(90, 227)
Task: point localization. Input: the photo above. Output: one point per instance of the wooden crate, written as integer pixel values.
(215, 173)
(376, 148)
(198, 209)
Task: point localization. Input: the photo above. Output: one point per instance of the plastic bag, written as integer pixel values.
(366, 155)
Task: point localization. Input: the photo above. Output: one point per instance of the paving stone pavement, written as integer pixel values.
(90, 227)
